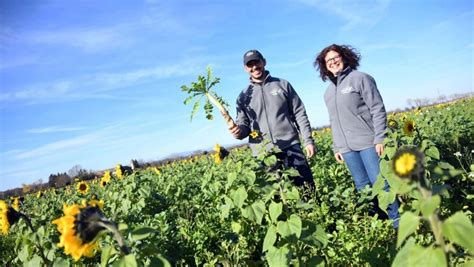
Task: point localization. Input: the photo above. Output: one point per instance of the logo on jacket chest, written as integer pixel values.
(347, 90)
(276, 91)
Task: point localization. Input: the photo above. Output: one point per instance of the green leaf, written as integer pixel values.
(293, 194)
(315, 261)
(408, 224)
(195, 109)
(127, 261)
(414, 255)
(142, 233)
(458, 228)
(159, 261)
(312, 235)
(105, 256)
(270, 238)
(275, 210)
(270, 161)
(34, 262)
(378, 186)
(231, 177)
(258, 208)
(188, 99)
(279, 257)
(239, 196)
(428, 206)
(385, 199)
(432, 152)
(290, 228)
(60, 262)
(236, 227)
(390, 151)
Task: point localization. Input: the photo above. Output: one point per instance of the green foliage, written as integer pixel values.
(238, 213)
(202, 89)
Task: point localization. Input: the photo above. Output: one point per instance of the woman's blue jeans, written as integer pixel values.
(364, 167)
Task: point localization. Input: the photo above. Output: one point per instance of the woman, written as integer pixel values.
(357, 115)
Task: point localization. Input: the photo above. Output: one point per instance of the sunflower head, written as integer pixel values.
(220, 154)
(118, 171)
(409, 127)
(392, 124)
(82, 187)
(8, 217)
(17, 202)
(103, 182)
(79, 227)
(254, 134)
(408, 162)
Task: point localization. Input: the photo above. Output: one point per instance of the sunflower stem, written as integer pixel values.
(433, 219)
(112, 228)
(40, 249)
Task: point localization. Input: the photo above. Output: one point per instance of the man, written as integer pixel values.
(269, 108)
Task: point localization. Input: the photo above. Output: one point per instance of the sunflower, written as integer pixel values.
(409, 127)
(254, 134)
(118, 171)
(392, 124)
(220, 154)
(82, 187)
(16, 203)
(105, 179)
(407, 162)
(79, 227)
(103, 182)
(8, 217)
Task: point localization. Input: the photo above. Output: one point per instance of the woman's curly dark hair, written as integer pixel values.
(350, 57)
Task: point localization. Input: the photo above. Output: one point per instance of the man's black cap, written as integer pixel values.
(252, 55)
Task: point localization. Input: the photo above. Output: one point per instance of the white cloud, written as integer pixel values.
(58, 146)
(88, 40)
(54, 129)
(90, 86)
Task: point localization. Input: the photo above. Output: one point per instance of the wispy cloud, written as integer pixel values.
(57, 147)
(354, 13)
(54, 129)
(93, 86)
(87, 39)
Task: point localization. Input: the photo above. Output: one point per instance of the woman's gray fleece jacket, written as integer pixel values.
(356, 111)
(275, 111)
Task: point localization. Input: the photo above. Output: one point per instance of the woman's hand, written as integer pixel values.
(379, 149)
(339, 157)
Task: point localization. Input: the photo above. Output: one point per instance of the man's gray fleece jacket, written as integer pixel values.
(275, 110)
(356, 111)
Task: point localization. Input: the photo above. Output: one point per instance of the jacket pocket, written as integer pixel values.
(367, 126)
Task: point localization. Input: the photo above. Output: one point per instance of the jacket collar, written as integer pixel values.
(341, 75)
(267, 76)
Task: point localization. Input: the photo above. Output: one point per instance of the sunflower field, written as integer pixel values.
(227, 208)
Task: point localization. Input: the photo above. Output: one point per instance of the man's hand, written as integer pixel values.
(310, 149)
(235, 131)
(339, 157)
(379, 149)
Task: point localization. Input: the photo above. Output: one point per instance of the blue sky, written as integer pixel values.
(96, 83)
